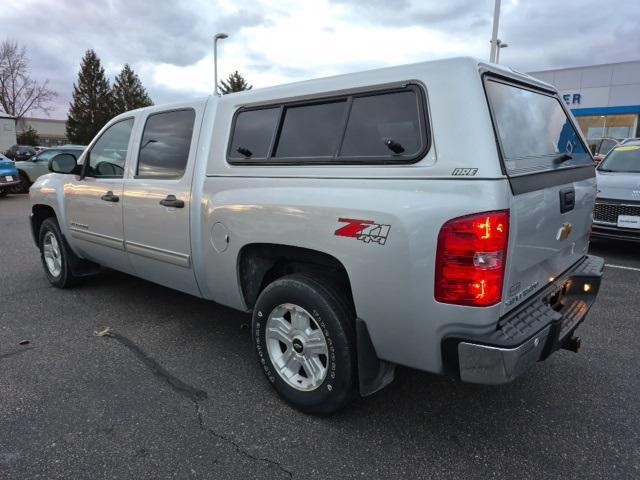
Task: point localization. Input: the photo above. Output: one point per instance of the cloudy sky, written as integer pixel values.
(168, 42)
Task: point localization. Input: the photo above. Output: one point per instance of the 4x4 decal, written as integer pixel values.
(364, 230)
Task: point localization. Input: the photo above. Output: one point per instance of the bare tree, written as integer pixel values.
(19, 93)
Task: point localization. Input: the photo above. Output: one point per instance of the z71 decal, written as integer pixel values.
(364, 230)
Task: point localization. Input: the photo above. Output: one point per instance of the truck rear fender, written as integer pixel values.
(260, 264)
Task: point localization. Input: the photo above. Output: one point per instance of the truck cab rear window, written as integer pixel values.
(534, 131)
(387, 127)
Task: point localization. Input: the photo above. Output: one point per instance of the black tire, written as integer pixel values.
(4, 192)
(23, 186)
(332, 315)
(65, 278)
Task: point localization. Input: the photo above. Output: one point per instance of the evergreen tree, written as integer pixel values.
(28, 137)
(235, 83)
(91, 106)
(128, 93)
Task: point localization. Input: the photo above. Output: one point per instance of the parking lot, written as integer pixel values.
(176, 392)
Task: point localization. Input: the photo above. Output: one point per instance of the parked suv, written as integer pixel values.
(434, 215)
(20, 152)
(617, 210)
(37, 165)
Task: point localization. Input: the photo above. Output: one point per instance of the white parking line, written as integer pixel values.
(622, 267)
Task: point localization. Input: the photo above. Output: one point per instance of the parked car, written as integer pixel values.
(37, 165)
(617, 209)
(601, 147)
(20, 152)
(627, 140)
(8, 175)
(325, 208)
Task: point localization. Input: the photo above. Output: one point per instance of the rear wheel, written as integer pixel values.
(55, 257)
(304, 337)
(4, 192)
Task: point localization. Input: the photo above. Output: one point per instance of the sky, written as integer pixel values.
(169, 42)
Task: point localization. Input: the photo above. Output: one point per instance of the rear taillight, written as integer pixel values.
(472, 252)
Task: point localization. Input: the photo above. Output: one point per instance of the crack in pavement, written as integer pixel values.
(194, 394)
(158, 370)
(236, 445)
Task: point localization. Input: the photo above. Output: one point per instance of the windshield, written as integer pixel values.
(622, 159)
(47, 154)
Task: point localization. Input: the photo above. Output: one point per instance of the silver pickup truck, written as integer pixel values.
(434, 215)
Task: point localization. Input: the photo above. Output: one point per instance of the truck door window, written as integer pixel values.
(376, 121)
(165, 144)
(311, 130)
(109, 154)
(253, 132)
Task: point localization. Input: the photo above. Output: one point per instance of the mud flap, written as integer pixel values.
(79, 266)
(373, 373)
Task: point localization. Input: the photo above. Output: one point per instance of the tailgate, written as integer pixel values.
(553, 184)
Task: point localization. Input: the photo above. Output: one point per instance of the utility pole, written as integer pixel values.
(494, 35)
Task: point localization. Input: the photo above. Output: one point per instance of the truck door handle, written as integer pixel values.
(567, 199)
(110, 197)
(172, 201)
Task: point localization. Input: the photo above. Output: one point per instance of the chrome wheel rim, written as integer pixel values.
(297, 347)
(52, 255)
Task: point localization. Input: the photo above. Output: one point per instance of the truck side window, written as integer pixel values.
(109, 154)
(253, 132)
(311, 130)
(375, 120)
(165, 144)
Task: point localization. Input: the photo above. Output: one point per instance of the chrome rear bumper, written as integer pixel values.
(539, 327)
(496, 365)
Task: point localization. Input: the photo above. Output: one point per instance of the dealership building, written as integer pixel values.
(605, 99)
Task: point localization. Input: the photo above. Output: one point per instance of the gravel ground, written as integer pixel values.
(176, 393)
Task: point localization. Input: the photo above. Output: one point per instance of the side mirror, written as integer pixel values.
(63, 163)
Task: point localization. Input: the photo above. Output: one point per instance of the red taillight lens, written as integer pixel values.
(472, 252)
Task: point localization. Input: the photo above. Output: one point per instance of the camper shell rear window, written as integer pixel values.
(384, 126)
(534, 132)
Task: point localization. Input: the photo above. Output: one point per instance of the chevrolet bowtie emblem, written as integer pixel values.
(564, 232)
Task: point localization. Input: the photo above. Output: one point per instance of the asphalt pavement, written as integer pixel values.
(176, 392)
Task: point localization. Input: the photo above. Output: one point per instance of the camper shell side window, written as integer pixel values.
(370, 127)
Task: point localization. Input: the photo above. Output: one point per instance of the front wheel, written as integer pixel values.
(23, 186)
(54, 256)
(4, 192)
(304, 337)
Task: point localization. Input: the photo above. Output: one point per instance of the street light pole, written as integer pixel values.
(501, 45)
(494, 35)
(217, 36)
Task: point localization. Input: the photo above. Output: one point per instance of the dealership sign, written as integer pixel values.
(572, 98)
